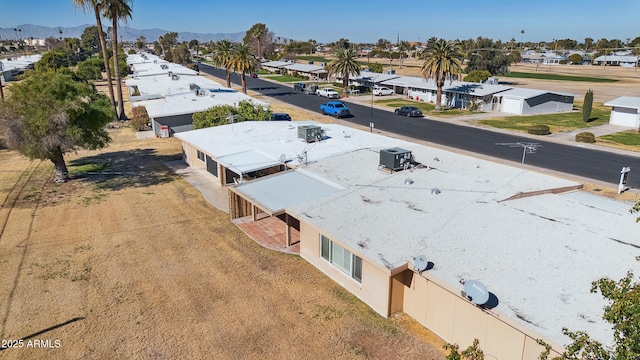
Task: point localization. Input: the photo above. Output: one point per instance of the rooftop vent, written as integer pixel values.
(395, 159)
(310, 133)
(175, 77)
(390, 72)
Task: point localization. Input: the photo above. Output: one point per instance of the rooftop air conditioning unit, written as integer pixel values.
(192, 86)
(310, 133)
(175, 77)
(395, 158)
(390, 72)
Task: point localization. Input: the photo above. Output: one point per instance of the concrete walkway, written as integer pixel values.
(212, 193)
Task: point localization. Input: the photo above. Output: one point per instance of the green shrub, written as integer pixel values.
(585, 137)
(140, 119)
(538, 129)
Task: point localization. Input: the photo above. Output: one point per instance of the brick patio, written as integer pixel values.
(270, 232)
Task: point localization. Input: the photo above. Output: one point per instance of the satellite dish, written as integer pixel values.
(421, 263)
(476, 292)
(283, 157)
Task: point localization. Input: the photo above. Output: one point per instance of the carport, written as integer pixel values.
(268, 198)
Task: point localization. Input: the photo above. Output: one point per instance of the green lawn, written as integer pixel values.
(557, 122)
(515, 74)
(313, 58)
(627, 139)
(427, 108)
(285, 78)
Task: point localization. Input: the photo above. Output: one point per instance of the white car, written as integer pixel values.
(329, 93)
(379, 91)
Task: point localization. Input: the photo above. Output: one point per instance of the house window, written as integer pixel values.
(341, 258)
(200, 156)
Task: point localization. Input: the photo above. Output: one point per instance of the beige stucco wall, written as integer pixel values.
(444, 311)
(434, 304)
(190, 155)
(374, 289)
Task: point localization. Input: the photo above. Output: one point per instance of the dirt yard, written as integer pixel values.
(128, 261)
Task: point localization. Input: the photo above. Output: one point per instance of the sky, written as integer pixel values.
(360, 21)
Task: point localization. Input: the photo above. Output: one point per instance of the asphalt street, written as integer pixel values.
(600, 165)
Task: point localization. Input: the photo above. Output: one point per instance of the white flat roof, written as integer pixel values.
(281, 137)
(305, 68)
(189, 103)
(631, 102)
(523, 93)
(538, 254)
(164, 85)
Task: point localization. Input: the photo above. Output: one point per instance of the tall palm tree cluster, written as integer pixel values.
(116, 11)
(234, 57)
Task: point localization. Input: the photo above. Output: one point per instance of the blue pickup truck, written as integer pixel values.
(336, 109)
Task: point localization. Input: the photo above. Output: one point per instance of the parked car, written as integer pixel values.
(299, 86)
(379, 91)
(329, 93)
(254, 75)
(311, 89)
(409, 111)
(280, 117)
(336, 109)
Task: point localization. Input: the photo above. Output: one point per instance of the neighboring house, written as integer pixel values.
(625, 111)
(10, 67)
(240, 152)
(313, 72)
(617, 60)
(275, 66)
(175, 113)
(521, 101)
(172, 93)
(530, 238)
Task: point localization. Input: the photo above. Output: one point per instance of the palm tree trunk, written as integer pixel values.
(345, 86)
(105, 57)
(244, 83)
(228, 78)
(439, 98)
(62, 174)
(116, 69)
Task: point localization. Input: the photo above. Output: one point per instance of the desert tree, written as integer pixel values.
(587, 105)
(117, 10)
(442, 62)
(344, 64)
(49, 114)
(257, 33)
(243, 62)
(221, 56)
(97, 6)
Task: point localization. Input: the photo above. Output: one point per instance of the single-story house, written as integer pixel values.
(625, 111)
(313, 72)
(617, 60)
(159, 86)
(238, 153)
(522, 101)
(275, 66)
(175, 113)
(524, 241)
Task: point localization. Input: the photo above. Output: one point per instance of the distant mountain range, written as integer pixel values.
(124, 32)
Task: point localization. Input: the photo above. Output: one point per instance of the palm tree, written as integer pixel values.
(403, 46)
(442, 61)
(96, 6)
(242, 61)
(222, 57)
(345, 64)
(117, 10)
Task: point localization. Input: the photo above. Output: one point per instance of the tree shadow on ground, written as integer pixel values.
(126, 169)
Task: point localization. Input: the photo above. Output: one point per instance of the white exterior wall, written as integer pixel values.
(513, 106)
(625, 117)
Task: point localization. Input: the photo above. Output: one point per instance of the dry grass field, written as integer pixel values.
(129, 261)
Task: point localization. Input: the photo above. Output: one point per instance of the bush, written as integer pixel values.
(140, 118)
(538, 129)
(132, 51)
(585, 137)
(193, 66)
(477, 76)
